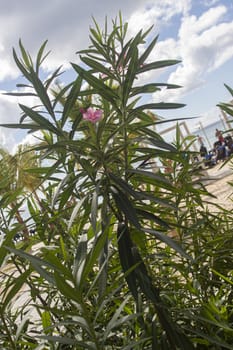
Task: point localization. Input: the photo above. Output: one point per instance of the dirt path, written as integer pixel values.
(219, 185)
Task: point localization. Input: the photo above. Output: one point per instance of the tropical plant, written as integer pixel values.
(106, 273)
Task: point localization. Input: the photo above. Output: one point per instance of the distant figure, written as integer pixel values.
(220, 150)
(203, 151)
(219, 135)
(229, 144)
(200, 140)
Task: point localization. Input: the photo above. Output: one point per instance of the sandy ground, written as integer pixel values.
(218, 183)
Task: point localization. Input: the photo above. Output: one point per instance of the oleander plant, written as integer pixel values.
(107, 242)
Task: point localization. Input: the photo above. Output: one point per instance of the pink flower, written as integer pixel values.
(91, 114)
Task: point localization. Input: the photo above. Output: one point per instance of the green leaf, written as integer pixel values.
(155, 176)
(99, 68)
(151, 217)
(130, 75)
(115, 320)
(37, 263)
(46, 322)
(26, 57)
(17, 285)
(212, 339)
(60, 340)
(229, 89)
(157, 65)
(75, 211)
(71, 99)
(26, 126)
(125, 246)
(39, 58)
(169, 241)
(226, 108)
(21, 66)
(41, 121)
(91, 259)
(125, 206)
(94, 209)
(104, 91)
(19, 93)
(41, 92)
(160, 105)
(148, 50)
(50, 79)
(7, 242)
(22, 327)
(128, 189)
(70, 292)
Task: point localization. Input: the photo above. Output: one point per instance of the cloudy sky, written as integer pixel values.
(197, 32)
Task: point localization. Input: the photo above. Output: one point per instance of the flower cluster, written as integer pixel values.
(91, 114)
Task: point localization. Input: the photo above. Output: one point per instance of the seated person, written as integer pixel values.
(203, 151)
(220, 150)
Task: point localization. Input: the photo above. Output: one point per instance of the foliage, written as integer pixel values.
(102, 270)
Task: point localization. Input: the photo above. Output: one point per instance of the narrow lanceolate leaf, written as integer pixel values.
(133, 46)
(94, 209)
(125, 246)
(41, 92)
(162, 144)
(90, 260)
(7, 242)
(70, 292)
(123, 185)
(26, 126)
(12, 293)
(169, 241)
(60, 340)
(150, 174)
(40, 57)
(22, 327)
(145, 215)
(226, 107)
(145, 89)
(41, 121)
(101, 88)
(160, 105)
(130, 75)
(21, 66)
(148, 50)
(125, 206)
(71, 99)
(46, 321)
(229, 89)
(59, 188)
(51, 78)
(26, 57)
(75, 211)
(99, 68)
(36, 262)
(156, 65)
(81, 254)
(19, 94)
(116, 319)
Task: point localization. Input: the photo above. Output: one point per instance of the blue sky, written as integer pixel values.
(198, 32)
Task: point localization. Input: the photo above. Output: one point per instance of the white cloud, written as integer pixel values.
(9, 114)
(203, 42)
(203, 45)
(157, 14)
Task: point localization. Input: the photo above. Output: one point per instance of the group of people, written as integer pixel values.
(222, 148)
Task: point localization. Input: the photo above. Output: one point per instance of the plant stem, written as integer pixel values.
(125, 137)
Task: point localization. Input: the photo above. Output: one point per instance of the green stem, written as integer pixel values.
(125, 136)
